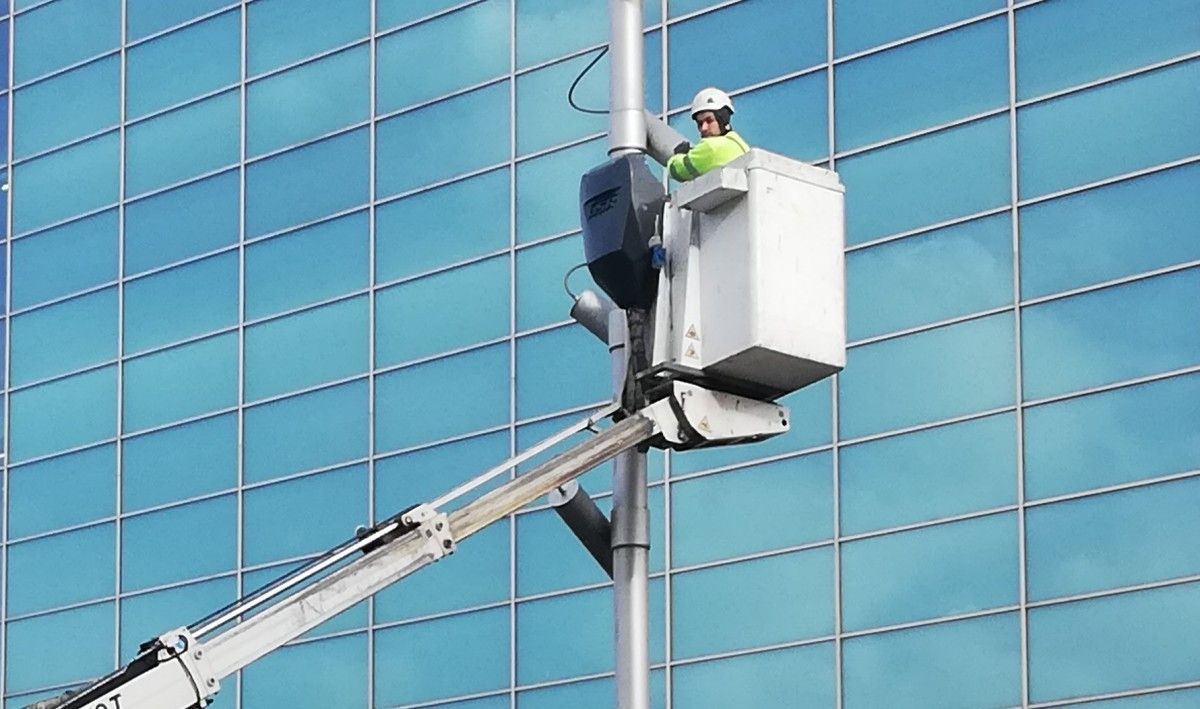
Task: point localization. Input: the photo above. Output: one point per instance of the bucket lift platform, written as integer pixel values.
(748, 306)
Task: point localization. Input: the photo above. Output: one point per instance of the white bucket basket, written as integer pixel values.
(752, 297)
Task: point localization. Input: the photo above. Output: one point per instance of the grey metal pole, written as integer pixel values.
(630, 551)
(630, 514)
(626, 83)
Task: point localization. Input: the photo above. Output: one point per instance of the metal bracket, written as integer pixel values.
(434, 528)
(694, 416)
(181, 646)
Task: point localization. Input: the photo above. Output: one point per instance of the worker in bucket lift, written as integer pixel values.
(712, 110)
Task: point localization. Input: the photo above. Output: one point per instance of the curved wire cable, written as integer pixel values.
(567, 277)
(575, 83)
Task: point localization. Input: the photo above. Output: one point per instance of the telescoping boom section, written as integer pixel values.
(184, 668)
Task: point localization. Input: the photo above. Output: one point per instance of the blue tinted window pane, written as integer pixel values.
(183, 302)
(180, 462)
(145, 17)
(306, 349)
(550, 558)
(329, 673)
(812, 425)
(331, 503)
(182, 222)
(61, 33)
(796, 677)
(442, 151)
(540, 272)
(308, 101)
(1113, 231)
(480, 576)
(64, 337)
(1070, 42)
(789, 118)
(406, 72)
(745, 53)
(931, 277)
(411, 660)
(1084, 137)
(927, 573)
(546, 653)
(548, 190)
(403, 313)
(64, 260)
(545, 385)
(429, 230)
(62, 492)
(64, 414)
(272, 185)
(69, 106)
(305, 432)
(1071, 647)
(547, 29)
(186, 63)
(284, 31)
(963, 73)
(778, 599)
(87, 557)
(405, 480)
(65, 183)
(181, 382)
(589, 693)
(45, 660)
(862, 24)
(424, 403)
(146, 616)
(393, 13)
(927, 180)
(930, 376)
(307, 266)
(183, 143)
(941, 472)
(143, 563)
(1114, 437)
(546, 119)
(1110, 335)
(928, 667)
(791, 502)
(1087, 545)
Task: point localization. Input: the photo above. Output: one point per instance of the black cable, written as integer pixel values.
(566, 285)
(575, 83)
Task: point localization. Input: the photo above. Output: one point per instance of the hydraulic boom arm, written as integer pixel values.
(184, 668)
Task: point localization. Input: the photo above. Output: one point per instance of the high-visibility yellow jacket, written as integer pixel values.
(708, 154)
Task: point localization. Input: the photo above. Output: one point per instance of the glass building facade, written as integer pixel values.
(274, 268)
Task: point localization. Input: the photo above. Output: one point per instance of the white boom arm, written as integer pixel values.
(183, 668)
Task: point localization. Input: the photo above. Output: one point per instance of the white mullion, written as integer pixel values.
(120, 414)
(240, 585)
(512, 342)
(7, 408)
(835, 414)
(1015, 197)
(371, 363)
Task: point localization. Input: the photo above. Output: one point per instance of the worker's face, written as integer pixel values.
(707, 124)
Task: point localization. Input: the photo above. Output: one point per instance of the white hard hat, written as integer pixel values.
(711, 99)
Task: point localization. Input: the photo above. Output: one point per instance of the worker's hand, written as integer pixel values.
(683, 148)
